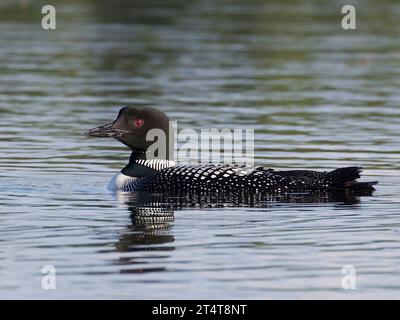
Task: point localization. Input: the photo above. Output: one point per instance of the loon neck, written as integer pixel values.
(140, 166)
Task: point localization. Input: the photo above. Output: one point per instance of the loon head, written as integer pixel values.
(145, 130)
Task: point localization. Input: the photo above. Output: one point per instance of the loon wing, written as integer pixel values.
(231, 178)
(338, 179)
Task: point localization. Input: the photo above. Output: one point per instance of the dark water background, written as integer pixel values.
(319, 97)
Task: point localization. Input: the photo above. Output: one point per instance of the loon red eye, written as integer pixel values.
(139, 123)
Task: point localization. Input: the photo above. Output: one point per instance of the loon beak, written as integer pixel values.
(107, 130)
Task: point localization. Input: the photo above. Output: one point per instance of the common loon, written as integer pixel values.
(147, 173)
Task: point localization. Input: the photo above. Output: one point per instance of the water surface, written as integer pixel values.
(317, 96)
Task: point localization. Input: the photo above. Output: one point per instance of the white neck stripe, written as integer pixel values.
(156, 164)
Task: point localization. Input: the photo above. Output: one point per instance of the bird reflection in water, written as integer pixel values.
(149, 233)
(150, 237)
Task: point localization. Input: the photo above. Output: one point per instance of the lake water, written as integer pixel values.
(318, 97)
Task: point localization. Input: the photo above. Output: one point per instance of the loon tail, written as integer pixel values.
(345, 178)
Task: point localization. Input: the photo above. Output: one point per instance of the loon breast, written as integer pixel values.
(122, 182)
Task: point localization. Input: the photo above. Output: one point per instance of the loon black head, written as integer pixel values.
(145, 130)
